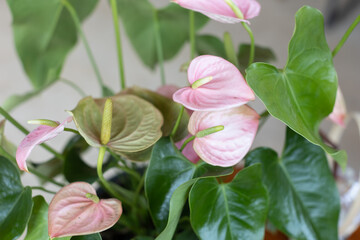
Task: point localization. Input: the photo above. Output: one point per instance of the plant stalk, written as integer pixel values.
(118, 43)
(252, 46)
(77, 22)
(159, 49)
(346, 36)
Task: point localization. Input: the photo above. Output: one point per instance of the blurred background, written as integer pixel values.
(273, 28)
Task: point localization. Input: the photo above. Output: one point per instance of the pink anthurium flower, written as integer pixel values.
(221, 11)
(339, 112)
(36, 137)
(226, 147)
(76, 210)
(216, 84)
(188, 151)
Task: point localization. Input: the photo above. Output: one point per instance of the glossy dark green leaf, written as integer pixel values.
(304, 201)
(135, 123)
(177, 202)
(15, 202)
(210, 45)
(44, 34)
(38, 223)
(75, 169)
(139, 22)
(262, 54)
(168, 169)
(168, 108)
(95, 236)
(303, 93)
(235, 210)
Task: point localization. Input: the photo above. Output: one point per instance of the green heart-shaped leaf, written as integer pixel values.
(44, 34)
(169, 109)
(140, 21)
(75, 169)
(135, 127)
(235, 210)
(15, 202)
(210, 45)
(304, 201)
(168, 169)
(303, 93)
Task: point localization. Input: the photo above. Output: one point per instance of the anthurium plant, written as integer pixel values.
(181, 159)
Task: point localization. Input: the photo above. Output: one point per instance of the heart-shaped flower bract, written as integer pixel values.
(216, 84)
(36, 137)
(339, 112)
(228, 146)
(76, 210)
(220, 11)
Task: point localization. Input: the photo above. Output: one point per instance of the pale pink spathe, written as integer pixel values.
(71, 213)
(220, 11)
(227, 88)
(339, 112)
(226, 147)
(36, 137)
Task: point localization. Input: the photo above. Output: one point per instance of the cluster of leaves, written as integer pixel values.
(182, 200)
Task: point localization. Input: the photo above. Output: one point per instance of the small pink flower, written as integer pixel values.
(216, 84)
(339, 112)
(228, 146)
(188, 151)
(76, 210)
(220, 11)
(36, 137)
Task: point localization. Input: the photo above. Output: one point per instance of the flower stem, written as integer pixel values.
(77, 22)
(177, 123)
(159, 49)
(186, 142)
(40, 175)
(43, 189)
(25, 131)
(229, 49)
(118, 43)
(74, 86)
(346, 36)
(192, 34)
(103, 181)
(252, 46)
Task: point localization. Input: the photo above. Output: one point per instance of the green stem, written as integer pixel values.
(130, 172)
(252, 46)
(26, 132)
(159, 49)
(264, 116)
(74, 86)
(192, 34)
(229, 49)
(43, 189)
(71, 130)
(77, 22)
(186, 142)
(118, 43)
(103, 181)
(40, 175)
(177, 123)
(117, 157)
(346, 36)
